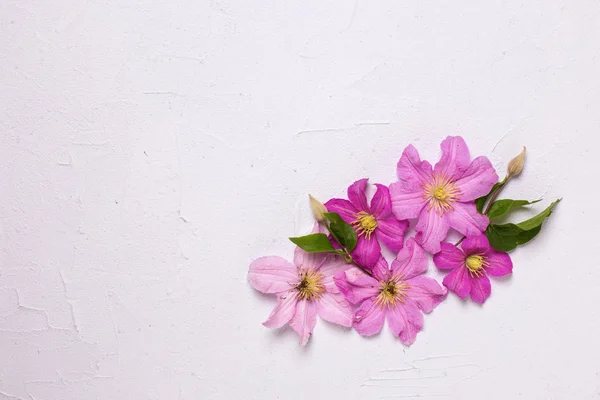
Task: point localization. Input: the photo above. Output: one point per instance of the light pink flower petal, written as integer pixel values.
(405, 321)
(380, 270)
(477, 244)
(304, 319)
(407, 199)
(381, 204)
(465, 219)
(335, 309)
(426, 292)
(480, 288)
(499, 264)
(455, 157)
(411, 169)
(329, 269)
(306, 260)
(410, 261)
(367, 251)
(458, 282)
(431, 229)
(343, 207)
(356, 286)
(357, 196)
(449, 257)
(391, 232)
(272, 274)
(283, 312)
(477, 180)
(369, 318)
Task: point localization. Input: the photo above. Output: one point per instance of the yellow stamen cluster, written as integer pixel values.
(391, 292)
(441, 193)
(365, 224)
(310, 287)
(475, 264)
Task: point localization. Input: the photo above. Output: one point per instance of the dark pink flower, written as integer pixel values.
(400, 294)
(371, 221)
(442, 197)
(471, 266)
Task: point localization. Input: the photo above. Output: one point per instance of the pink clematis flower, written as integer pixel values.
(371, 222)
(442, 197)
(303, 290)
(400, 294)
(471, 266)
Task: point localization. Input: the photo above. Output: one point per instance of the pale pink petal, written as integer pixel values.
(405, 321)
(449, 257)
(272, 274)
(431, 229)
(369, 318)
(380, 270)
(457, 281)
(304, 319)
(381, 205)
(331, 267)
(465, 219)
(410, 167)
(343, 207)
(499, 264)
(356, 286)
(367, 251)
(455, 157)
(410, 261)
(426, 292)
(480, 288)
(306, 260)
(283, 312)
(477, 244)
(391, 232)
(407, 199)
(335, 309)
(357, 196)
(477, 180)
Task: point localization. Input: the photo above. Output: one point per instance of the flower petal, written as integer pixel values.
(332, 266)
(458, 282)
(343, 207)
(405, 321)
(272, 274)
(410, 167)
(431, 229)
(335, 309)
(477, 244)
(356, 195)
(391, 232)
(381, 204)
(283, 312)
(455, 157)
(356, 286)
(426, 292)
(465, 219)
(380, 270)
(367, 251)
(499, 264)
(480, 288)
(369, 318)
(304, 319)
(449, 257)
(477, 180)
(410, 261)
(407, 199)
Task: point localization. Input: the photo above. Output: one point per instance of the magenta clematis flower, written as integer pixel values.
(442, 197)
(471, 266)
(303, 290)
(400, 294)
(371, 222)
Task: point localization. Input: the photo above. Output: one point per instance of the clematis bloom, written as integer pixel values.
(371, 221)
(399, 294)
(303, 289)
(442, 197)
(471, 266)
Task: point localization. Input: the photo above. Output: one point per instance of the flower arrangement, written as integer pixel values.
(339, 273)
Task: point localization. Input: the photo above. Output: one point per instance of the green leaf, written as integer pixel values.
(342, 231)
(501, 207)
(538, 219)
(480, 202)
(314, 243)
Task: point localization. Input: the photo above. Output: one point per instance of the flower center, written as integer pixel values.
(441, 193)
(310, 286)
(391, 292)
(365, 224)
(475, 264)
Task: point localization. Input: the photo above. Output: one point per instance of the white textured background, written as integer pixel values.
(151, 149)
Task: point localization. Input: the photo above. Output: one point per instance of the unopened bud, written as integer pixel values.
(317, 209)
(515, 166)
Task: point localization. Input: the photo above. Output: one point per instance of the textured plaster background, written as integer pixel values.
(151, 149)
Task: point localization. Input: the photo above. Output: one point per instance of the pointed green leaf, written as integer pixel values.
(501, 207)
(538, 219)
(342, 231)
(313, 243)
